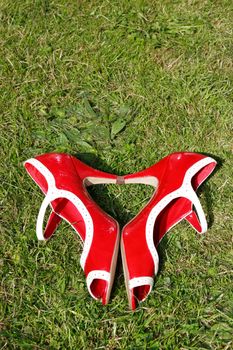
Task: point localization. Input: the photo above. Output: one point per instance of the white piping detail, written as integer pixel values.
(96, 274)
(54, 193)
(44, 171)
(185, 191)
(141, 281)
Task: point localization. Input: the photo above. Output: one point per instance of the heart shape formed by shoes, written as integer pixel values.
(63, 179)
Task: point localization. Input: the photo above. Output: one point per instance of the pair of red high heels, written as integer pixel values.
(63, 179)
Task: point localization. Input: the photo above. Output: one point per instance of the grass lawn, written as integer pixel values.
(120, 85)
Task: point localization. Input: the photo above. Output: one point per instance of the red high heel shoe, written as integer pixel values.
(176, 178)
(63, 178)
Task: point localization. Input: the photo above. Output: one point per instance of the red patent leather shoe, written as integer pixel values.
(63, 180)
(176, 178)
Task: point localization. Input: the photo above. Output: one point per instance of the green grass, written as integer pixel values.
(163, 70)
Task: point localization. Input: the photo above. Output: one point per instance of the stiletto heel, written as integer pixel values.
(175, 178)
(63, 180)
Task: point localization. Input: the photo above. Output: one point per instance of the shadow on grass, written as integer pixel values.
(100, 193)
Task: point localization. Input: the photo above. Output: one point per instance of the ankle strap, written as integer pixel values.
(55, 193)
(40, 218)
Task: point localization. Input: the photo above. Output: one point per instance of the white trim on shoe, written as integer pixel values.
(141, 281)
(185, 191)
(55, 193)
(97, 274)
